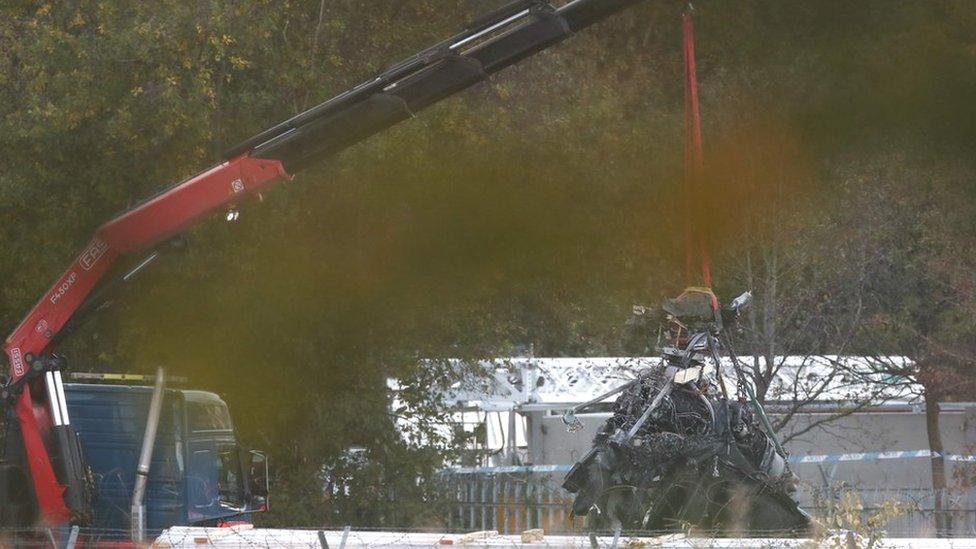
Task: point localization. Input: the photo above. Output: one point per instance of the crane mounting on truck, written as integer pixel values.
(53, 451)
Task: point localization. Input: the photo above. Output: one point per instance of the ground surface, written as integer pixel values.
(260, 537)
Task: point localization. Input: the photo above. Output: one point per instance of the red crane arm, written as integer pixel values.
(139, 229)
(136, 230)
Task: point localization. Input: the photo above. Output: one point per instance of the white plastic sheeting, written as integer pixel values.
(556, 383)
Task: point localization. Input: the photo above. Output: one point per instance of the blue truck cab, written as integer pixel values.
(199, 473)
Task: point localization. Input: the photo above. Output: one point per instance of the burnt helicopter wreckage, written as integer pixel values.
(685, 445)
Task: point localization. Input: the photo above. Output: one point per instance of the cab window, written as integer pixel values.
(215, 479)
(209, 416)
(230, 484)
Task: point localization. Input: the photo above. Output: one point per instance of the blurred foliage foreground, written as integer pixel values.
(528, 213)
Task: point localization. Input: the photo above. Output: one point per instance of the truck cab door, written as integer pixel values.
(215, 483)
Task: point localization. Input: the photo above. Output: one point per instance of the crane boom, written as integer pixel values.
(484, 47)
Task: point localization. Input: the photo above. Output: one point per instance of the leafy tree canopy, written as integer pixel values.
(531, 211)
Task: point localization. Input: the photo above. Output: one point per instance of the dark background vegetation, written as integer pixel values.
(529, 213)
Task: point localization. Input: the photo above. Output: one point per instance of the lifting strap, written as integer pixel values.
(693, 161)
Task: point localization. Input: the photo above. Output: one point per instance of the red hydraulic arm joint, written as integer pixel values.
(138, 229)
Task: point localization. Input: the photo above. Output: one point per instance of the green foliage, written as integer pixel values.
(847, 525)
(532, 211)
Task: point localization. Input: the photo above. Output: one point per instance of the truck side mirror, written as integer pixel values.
(258, 477)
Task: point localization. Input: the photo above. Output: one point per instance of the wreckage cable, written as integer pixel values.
(740, 379)
(760, 411)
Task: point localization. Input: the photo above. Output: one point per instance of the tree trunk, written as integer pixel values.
(942, 522)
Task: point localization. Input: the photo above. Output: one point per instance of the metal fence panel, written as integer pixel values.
(513, 502)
